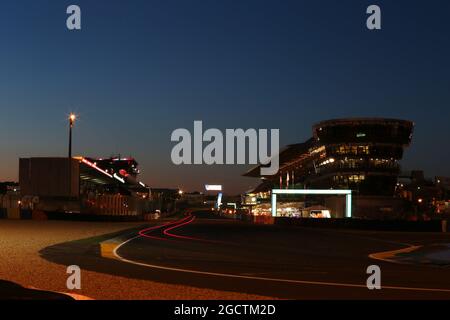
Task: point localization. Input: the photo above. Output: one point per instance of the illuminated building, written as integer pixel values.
(358, 154)
(124, 166)
(107, 187)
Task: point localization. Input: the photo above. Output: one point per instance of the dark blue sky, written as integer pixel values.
(140, 69)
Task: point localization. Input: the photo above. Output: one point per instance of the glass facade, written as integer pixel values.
(358, 154)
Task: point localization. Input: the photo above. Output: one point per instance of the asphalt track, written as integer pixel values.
(281, 262)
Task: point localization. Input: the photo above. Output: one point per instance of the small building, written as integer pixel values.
(358, 154)
(82, 185)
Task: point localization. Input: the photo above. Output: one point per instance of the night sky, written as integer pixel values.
(140, 69)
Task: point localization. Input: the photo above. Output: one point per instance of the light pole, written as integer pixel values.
(72, 119)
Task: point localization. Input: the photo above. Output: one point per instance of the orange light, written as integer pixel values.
(72, 117)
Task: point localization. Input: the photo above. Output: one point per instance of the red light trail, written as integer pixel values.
(143, 233)
(167, 227)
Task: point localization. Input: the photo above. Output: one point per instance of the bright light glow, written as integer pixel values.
(360, 135)
(213, 187)
(274, 204)
(90, 164)
(219, 200)
(232, 204)
(72, 117)
(180, 192)
(326, 214)
(142, 184)
(119, 178)
(311, 191)
(320, 214)
(347, 193)
(331, 160)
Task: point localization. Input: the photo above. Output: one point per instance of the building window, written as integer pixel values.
(343, 180)
(352, 150)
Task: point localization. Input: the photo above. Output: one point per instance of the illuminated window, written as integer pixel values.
(344, 180)
(353, 150)
(356, 178)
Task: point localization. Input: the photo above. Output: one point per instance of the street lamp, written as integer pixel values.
(72, 119)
